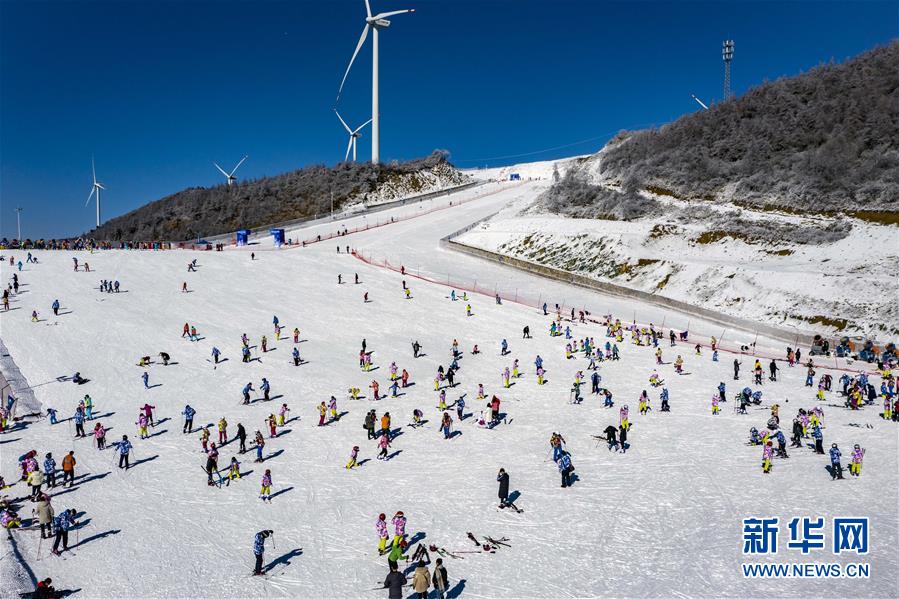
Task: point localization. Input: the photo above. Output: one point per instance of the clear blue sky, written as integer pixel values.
(158, 90)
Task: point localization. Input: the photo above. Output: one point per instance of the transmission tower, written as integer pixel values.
(727, 53)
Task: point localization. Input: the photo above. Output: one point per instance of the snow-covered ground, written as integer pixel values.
(542, 170)
(664, 519)
(845, 287)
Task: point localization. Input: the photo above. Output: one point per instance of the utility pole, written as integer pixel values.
(727, 53)
(19, 223)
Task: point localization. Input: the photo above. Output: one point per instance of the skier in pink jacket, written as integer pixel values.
(383, 535)
(855, 466)
(399, 528)
(767, 453)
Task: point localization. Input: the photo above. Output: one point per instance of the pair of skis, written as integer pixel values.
(490, 544)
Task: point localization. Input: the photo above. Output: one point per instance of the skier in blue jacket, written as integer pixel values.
(188, 414)
(246, 393)
(124, 450)
(836, 469)
(62, 523)
(259, 549)
(50, 470)
(565, 468)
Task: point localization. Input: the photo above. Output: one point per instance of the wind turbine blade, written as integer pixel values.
(349, 147)
(343, 122)
(360, 127)
(93, 189)
(358, 47)
(93, 169)
(367, 9)
(221, 170)
(384, 15)
(238, 165)
(100, 186)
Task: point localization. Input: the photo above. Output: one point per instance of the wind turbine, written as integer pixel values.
(375, 23)
(700, 102)
(230, 176)
(354, 135)
(19, 223)
(95, 189)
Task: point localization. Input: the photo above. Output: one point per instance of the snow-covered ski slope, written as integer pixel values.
(662, 520)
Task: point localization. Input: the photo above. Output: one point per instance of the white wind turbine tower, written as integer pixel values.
(95, 189)
(375, 23)
(354, 135)
(230, 176)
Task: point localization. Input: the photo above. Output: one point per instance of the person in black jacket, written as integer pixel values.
(394, 582)
(773, 368)
(610, 432)
(797, 433)
(503, 480)
(439, 579)
(242, 437)
(622, 438)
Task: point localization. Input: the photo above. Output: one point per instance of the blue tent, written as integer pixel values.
(243, 236)
(278, 235)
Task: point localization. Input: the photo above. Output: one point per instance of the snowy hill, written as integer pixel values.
(622, 529)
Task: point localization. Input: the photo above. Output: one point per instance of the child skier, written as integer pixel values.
(399, 525)
(266, 492)
(354, 454)
(333, 407)
(767, 452)
(223, 430)
(234, 469)
(446, 425)
(383, 535)
(855, 467)
(383, 444)
(142, 426)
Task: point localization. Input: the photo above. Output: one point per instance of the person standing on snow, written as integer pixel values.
(62, 523)
(242, 437)
(439, 579)
(421, 580)
(148, 412)
(565, 469)
(855, 467)
(503, 479)
(188, 414)
(394, 582)
(383, 535)
(836, 469)
(124, 449)
(259, 549)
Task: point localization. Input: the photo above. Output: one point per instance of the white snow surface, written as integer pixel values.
(542, 170)
(662, 520)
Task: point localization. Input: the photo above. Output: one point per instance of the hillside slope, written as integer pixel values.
(305, 192)
(823, 141)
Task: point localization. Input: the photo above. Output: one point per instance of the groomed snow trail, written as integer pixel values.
(663, 519)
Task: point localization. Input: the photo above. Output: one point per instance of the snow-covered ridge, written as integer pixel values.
(402, 185)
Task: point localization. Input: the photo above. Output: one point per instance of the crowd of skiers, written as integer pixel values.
(858, 391)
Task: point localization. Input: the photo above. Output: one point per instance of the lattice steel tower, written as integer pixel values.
(727, 53)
